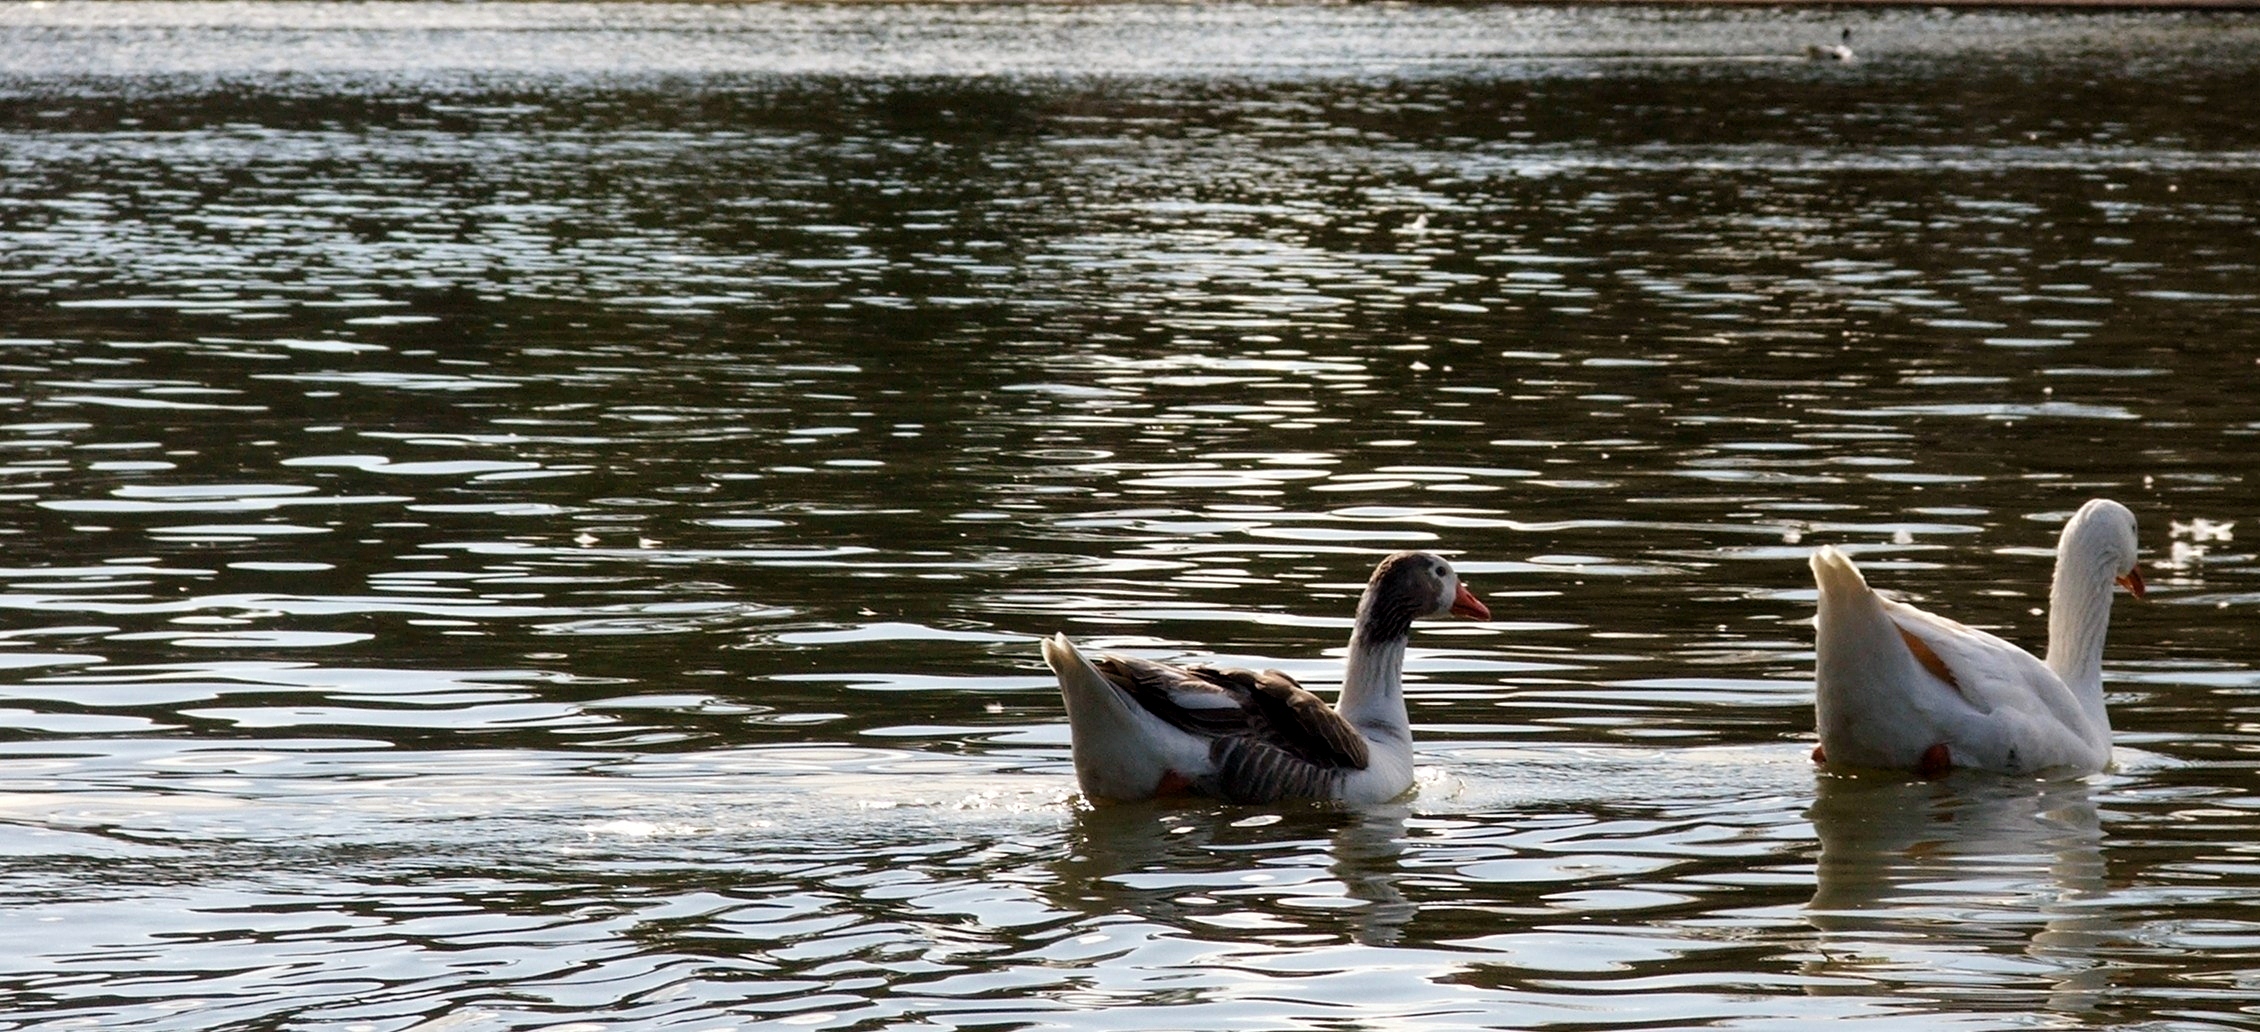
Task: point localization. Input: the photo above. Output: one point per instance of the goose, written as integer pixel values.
(1144, 730)
(1899, 688)
(1841, 51)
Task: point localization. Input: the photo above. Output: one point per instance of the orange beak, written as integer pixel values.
(2132, 582)
(1467, 605)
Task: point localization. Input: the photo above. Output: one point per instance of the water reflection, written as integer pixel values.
(1177, 865)
(1913, 875)
(1367, 854)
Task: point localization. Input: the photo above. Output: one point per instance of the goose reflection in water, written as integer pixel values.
(1912, 872)
(1232, 866)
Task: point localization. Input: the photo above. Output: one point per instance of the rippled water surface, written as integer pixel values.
(538, 516)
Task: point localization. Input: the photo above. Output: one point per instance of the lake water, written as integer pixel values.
(538, 516)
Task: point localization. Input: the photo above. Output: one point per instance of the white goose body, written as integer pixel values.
(1898, 688)
(1142, 729)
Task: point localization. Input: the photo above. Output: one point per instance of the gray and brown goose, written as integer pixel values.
(1142, 729)
(1839, 51)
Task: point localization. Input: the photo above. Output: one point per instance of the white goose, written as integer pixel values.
(1142, 729)
(1898, 688)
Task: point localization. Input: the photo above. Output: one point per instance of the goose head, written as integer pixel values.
(1412, 586)
(2102, 535)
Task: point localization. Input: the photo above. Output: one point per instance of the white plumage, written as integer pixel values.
(1896, 687)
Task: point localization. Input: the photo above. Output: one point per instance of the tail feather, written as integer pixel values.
(1121, 751)
(1861, 665)
(1091, 699)
(1834, 573)
(1846, 610)
(1845, 601)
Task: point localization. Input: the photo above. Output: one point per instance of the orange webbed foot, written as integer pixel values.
(1935, 762)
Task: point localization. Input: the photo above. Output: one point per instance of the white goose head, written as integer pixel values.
(2100, 538)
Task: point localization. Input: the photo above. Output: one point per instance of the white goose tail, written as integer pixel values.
(1121, 751)
(1850, 616)
(1840, 582)
(1859, 663)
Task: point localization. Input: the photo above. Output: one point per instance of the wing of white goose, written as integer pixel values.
(2012, 713)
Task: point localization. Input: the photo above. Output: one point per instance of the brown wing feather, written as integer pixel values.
(1930, 661)
(1269, 708)
(1305, 724)
(1157, 686)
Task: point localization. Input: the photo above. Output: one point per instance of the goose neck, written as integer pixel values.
(1373, 696)
(2079, 618)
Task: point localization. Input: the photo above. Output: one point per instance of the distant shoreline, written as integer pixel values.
(2018, 5)
(2025, 5)
(2128, 5)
